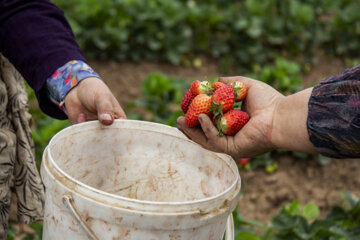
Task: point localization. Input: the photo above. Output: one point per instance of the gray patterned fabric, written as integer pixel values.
(17, 159)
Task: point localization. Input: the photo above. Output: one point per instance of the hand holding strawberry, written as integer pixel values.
(254, 138)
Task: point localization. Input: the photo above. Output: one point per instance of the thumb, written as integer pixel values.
(208, 127)
(104, 111)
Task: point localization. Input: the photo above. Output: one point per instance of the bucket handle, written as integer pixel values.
(229, 231)
(69, 202)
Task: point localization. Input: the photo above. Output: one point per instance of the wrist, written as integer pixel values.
(277, 133)
(289, 130)
(65, 78)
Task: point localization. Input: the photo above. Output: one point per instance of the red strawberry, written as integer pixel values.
(216, 85)
(200, 104)
(243, 161)
(239, 90)
(189, 96)
(222, 100)
(198, 87)
(231, 122)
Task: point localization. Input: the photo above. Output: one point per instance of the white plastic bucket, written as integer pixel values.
(136, 180)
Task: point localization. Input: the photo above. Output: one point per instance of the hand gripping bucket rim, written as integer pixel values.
(135, 205)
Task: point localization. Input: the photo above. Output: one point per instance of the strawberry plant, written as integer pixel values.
(237, 33)
(162, 96)
(303, 224)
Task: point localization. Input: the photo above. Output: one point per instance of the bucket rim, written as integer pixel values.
(175, 133)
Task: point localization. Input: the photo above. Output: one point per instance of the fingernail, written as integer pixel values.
(106, 117)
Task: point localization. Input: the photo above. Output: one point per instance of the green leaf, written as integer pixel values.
(310, 211)
(255, 28)
(293, 208)
(352, 199)
(284, 221)
(247, 236)
(336, 213)
(323, 160)
(302, 229)
(340, 231)
(321, 227)
(355, 211)
(38, 228)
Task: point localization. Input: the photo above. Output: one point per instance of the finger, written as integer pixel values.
(195, 133)
(184, 133)
(104, 109)
(118, 111)
(198, 136)
(208, 127)
(247, 81)
(214, 141)
(81, 118)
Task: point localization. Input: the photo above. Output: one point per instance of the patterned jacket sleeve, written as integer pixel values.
(333, 121)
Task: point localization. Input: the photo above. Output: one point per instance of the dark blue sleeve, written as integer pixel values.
(37, 39)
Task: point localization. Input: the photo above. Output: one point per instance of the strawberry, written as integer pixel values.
(231, 122)
(239, 90)
(200, 104)
(222, 100)
(243, 161)
(216, 85)
(189, 96)
(198, 87)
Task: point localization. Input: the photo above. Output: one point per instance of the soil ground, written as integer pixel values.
(263, 193)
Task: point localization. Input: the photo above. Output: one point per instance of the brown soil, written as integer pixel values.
(264, 193)
(303, 180)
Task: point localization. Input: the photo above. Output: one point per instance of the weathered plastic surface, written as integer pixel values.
(135, 180)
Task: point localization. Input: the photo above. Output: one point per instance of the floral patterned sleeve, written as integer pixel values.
(65, 78)
(333, 121)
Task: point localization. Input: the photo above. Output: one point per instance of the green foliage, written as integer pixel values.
(237, 32)
(162, 97)
(297, 224)
(37, 227)
(11, 232)
(244, 228)
(284, 75)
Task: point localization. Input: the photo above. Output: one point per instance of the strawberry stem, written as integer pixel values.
(216, 109)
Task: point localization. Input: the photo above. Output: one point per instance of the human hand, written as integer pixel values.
(255, 137)
(91, 99)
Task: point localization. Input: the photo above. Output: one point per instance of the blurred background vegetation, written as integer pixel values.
(275, 41)
(246, 33)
